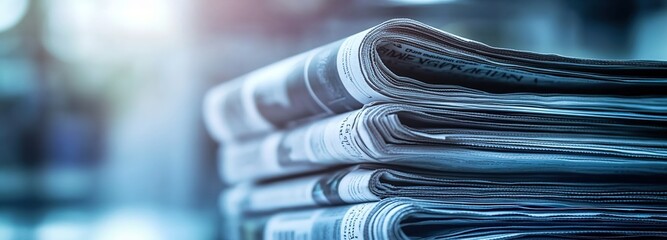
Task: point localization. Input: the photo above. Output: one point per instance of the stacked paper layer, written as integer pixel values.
(404, 131)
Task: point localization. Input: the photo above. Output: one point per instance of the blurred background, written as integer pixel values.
(101, 134)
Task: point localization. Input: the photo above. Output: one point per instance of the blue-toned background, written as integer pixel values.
(101, 134)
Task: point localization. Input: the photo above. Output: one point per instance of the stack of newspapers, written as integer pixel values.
(404, 131)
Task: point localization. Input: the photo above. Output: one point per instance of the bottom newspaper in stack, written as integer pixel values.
(389, 202)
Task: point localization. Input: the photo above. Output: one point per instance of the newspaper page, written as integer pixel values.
(402, 60)
(405, 218)
(370, 183)
(456, 139)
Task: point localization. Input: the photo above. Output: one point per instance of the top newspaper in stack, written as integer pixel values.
(403, 60)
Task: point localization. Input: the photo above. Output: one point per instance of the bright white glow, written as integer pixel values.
(72, 29)
(129, 225)
(63, 224)
(85, 30)
(6, 227)
(141, 17)
(61, 230)
(11, 12)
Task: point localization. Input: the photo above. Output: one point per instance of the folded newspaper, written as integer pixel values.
(403, 60)
(457, 138)
(368, 183)
(406, 218)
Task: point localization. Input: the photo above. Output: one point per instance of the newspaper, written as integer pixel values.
(405, 218)
(403, 60)
(456, 138)
(369, 183)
